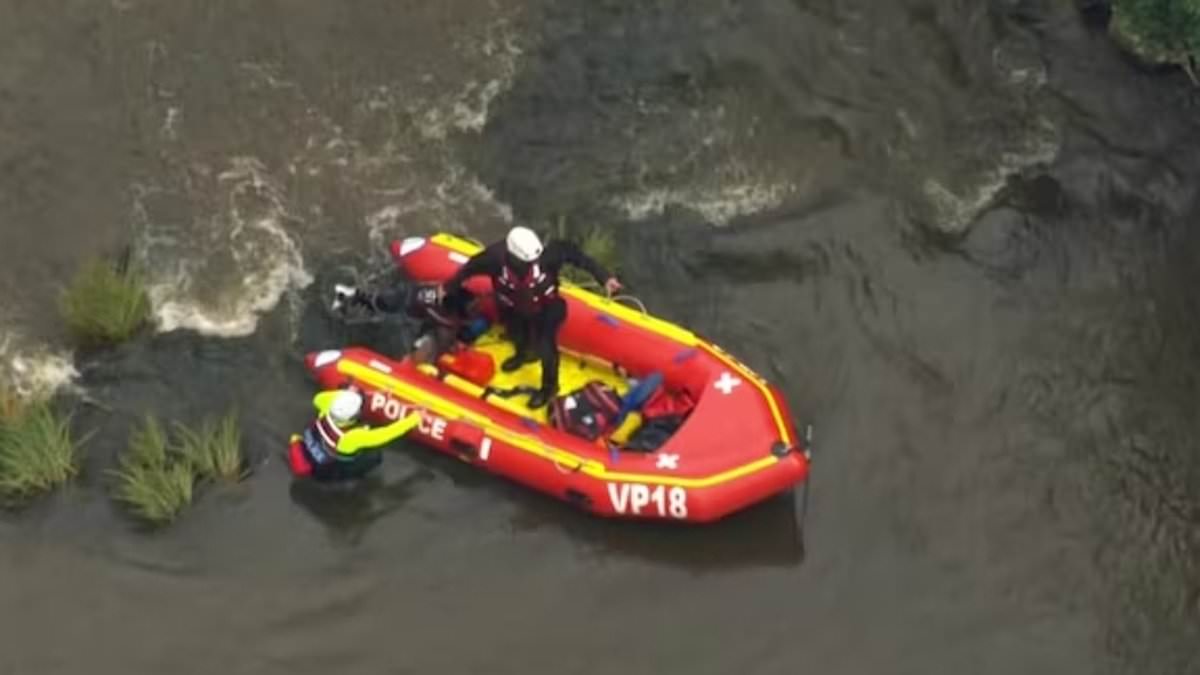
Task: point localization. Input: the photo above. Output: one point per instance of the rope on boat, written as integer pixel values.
(640, 305)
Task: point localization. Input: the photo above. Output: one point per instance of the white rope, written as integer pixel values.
(640, 304)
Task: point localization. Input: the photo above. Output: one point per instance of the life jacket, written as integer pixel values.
(528, 292)
(588, 412)
(320, 440)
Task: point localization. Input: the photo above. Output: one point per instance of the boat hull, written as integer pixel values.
(736, 446)
(538, 457)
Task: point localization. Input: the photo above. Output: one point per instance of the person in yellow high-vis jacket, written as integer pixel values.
(336, 446)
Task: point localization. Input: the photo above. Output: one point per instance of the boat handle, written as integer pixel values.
(640, 304)
(565, 471)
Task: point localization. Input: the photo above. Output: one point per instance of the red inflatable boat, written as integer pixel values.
(707, 436)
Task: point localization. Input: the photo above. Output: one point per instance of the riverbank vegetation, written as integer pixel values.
(105, 304)
(158, 476)
(37, 449)
(10, 404)
(1160, 31)
(598, 243)
(153, 480)
(215, 450)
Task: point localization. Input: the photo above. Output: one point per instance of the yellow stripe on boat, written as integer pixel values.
(759, 383)
(450, 410)
(655, 325)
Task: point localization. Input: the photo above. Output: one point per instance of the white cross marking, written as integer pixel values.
(726, 383)
(667, 461)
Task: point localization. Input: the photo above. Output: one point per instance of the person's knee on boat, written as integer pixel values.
(337, 445)
(525, 279)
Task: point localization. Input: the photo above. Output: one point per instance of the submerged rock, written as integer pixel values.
(995, 239)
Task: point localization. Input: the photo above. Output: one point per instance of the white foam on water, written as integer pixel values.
(410, 181)
(955, 211)
(218, 277)
(236, 313)
(428, 190)
(33, 371)
(1021, 67)
(718, 206)
(713, 177)
(454, 205)
(240, 253)
(170, 125)
(467, 109)
(958, 200)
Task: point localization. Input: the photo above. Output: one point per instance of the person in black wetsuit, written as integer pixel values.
(445, 318)
(525, 280)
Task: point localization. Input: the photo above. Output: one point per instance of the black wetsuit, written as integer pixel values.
(533, 314)
(440, 322)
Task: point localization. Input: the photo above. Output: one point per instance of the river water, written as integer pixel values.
(957, 234)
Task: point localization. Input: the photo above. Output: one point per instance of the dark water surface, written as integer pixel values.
(958, 234)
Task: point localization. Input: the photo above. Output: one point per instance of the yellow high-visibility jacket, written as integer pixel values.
(356, 438)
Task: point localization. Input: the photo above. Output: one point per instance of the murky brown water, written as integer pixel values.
(955, 232)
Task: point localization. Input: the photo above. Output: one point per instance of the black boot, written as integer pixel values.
(541, 398)
(514, 362)
(549, 377)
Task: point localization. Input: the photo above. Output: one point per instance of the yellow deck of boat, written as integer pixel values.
(574, 371)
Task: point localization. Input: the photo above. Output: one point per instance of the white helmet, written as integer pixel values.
(524, 244)
(345, 407)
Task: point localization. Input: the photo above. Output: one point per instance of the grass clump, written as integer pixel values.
(597, 243)
(105, 304)
(37, 450)
(154, 480)
(1160, 31)
(158, 476)
(215, 450)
